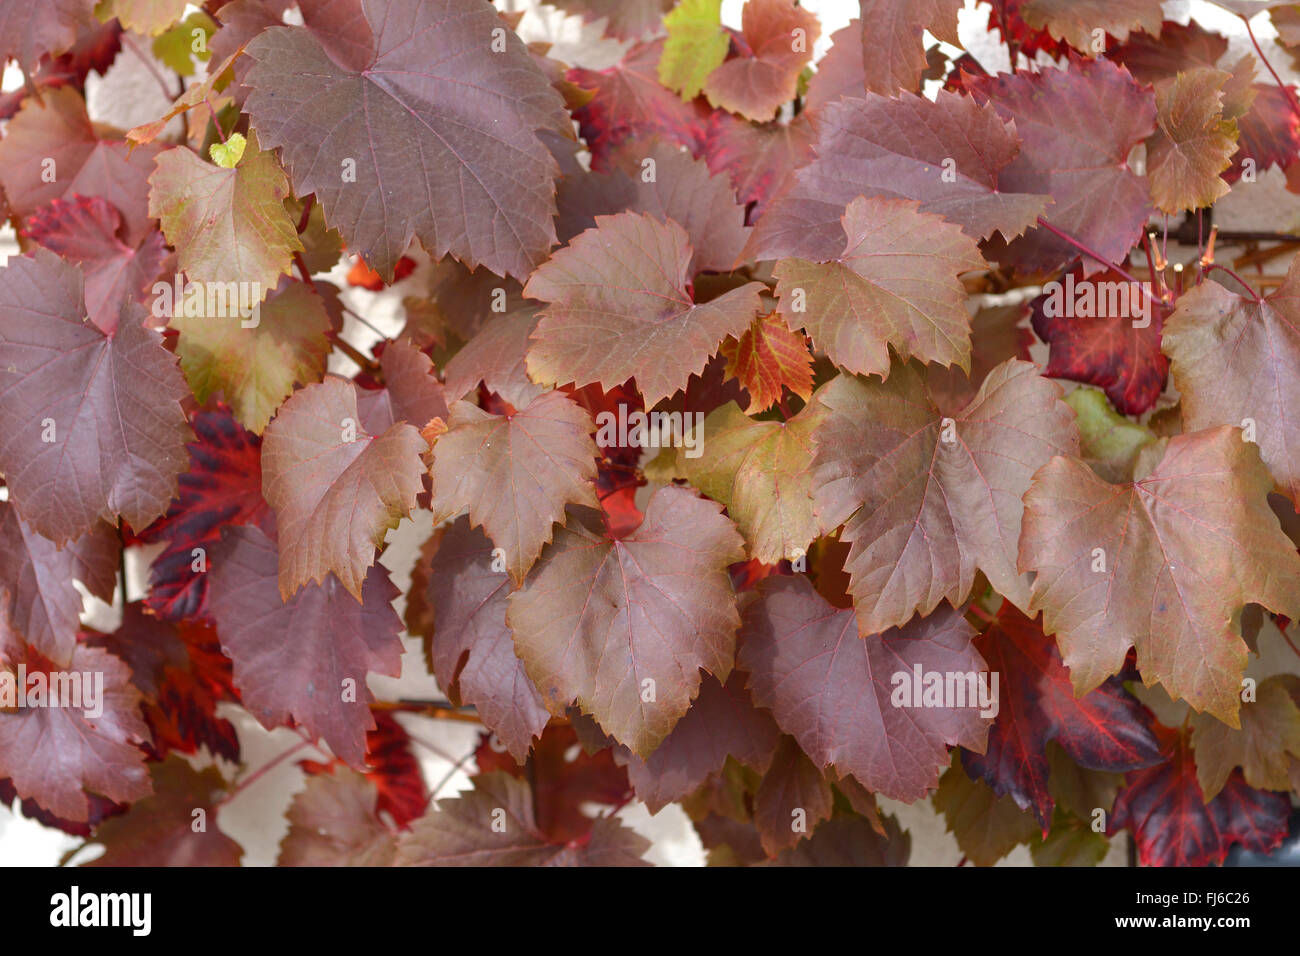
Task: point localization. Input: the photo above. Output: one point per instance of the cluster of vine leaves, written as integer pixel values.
(870, 474)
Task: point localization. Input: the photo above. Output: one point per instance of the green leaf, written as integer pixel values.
(695, 47)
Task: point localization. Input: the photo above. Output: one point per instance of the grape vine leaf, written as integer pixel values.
(722, 722)
(931, 499)
(892, 46)
(334, 823)
(757, 157)
(695, 45)
(87, 230)
(467, 830)
(1097, 199)
(495, 357)
(61, 756)
(1174, 825)
(623, 627)
(1266, 747)
(1164, 563)
(830, 687)
(441, 132)
(28, 32)
(780, 36)
(160, 829)
(109, 400)
(767, 358)
(761, 471)
(1195, 141)
(221, 487)
(987, 826)
(950, 154)
(619, 305)
(792, 799)
(515, 472)
(51, 150)
(255, 362)
(895, 283)
(469, 647)
(335, 489)
(630, 105)
(1212, 336)
(149, 17)
(411, 392)
(228, 225)
(1076, 21)
(1112, 343)
(43, 605)
(307, 658)
(625, 19)
(1106, 729)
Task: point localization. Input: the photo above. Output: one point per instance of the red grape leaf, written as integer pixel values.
(182, 676)
(256, 367)
(441, 131)
(495, 357)
(110, 402)
(470, 650)
(494, 825)
(986, 826)
(792, 799)
(54, 140)
(334, 823)
(227, 225)
(1075, 21)
(515, 473)
(623, 627)
(1098, 200)
(928, 499)
(892, 45)
(830, 687)
(758, 158)
(761, 470)
(620, 305)
(849, 841)
(1173, 824)
(625, 19)
(61, 756)
(394, 769)
(1105, 333)
(336, 490)
(841, 72)
(1177, 49)
(30, 32)
(680, 188)
(1266, 748)
(1164, 563)
(996, 335)
(86, 230)
(1106, 729)
(949, 154)
(411, 392)
(221, 487)
(1269, 132)
(567, 772)
(895, 283)
(1237, 362)
(780, 37)
(160, 829)
(631, 104)
(1194, 143)
(305, 659)
(722, 722)
(43, 606)
(767, 358)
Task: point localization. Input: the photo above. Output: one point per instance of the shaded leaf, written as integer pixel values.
(334, 823)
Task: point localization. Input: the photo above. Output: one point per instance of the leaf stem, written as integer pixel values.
(1250, 291)
(1119, 270)
(131, 45)
(307, 205)
(1286, 90)
(261, 771)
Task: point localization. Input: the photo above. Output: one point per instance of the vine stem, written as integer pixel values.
(307, 205)
(1249, 291)
(1286, 637)
(1119, 270)
(261, 771)
(1286, 90)
(131, 45)
(980, 613)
